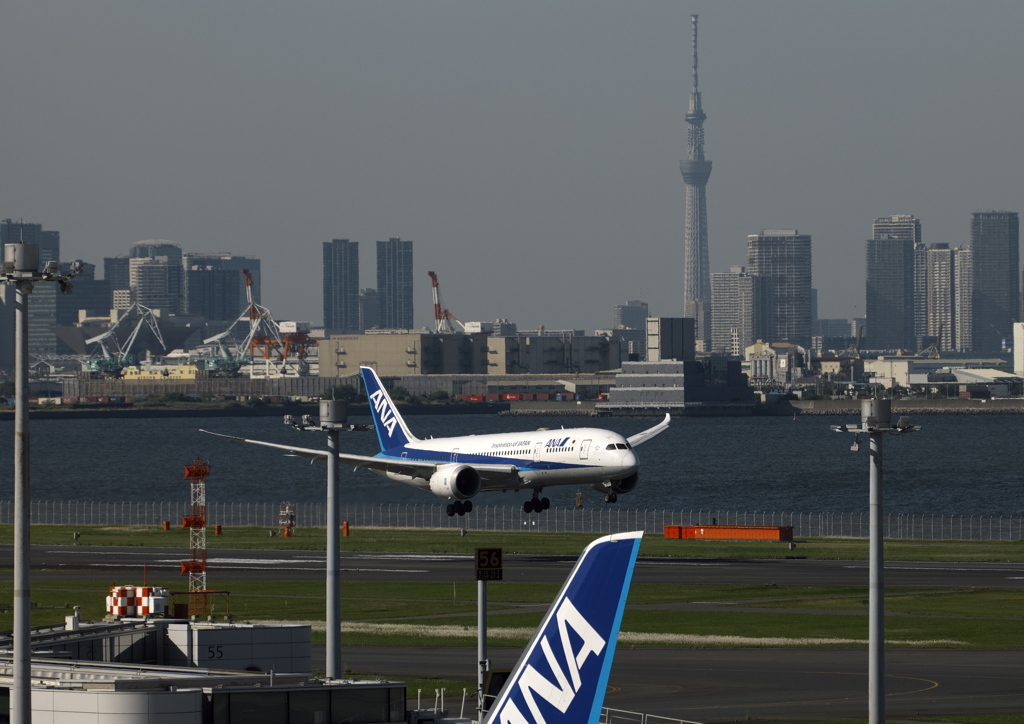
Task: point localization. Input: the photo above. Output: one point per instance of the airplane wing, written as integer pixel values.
(494, 475)
(642, 437)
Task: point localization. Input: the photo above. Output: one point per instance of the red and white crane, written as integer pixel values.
(442, 317)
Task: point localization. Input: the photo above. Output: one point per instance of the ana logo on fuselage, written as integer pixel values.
(384, 412)
(561, 692)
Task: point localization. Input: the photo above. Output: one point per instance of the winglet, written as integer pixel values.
(563, 673)
(391, 429)
(642, 437)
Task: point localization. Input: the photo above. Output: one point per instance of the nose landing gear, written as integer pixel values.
(611, 498)
(459, 507)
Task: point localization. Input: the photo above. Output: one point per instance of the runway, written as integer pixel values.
(228, 565)
(706, 685)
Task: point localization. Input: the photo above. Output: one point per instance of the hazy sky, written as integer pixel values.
(529, 149)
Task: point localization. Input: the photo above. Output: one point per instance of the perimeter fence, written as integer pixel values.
(606, 519)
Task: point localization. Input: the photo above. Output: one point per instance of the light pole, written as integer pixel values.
(333, 419)
(21, 268)
(876, 421)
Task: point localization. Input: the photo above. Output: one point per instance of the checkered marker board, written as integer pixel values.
(137, 600)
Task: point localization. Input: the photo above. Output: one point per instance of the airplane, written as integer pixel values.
(457, 468)
(562, 675)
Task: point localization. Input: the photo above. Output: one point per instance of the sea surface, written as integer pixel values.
(956, 464)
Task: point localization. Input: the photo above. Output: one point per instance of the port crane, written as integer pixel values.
(111, 355)
(442, 317)
(283, 346)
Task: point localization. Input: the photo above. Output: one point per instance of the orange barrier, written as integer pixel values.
(344, 528)
(731, 532)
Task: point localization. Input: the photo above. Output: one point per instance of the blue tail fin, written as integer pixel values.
(563, 673)
(391, 428)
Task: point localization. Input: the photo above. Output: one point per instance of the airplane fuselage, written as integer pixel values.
(579, 456)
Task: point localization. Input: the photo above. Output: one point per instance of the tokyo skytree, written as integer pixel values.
(696, 171)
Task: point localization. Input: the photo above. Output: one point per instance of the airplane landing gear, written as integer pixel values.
(535, 504)
(459, 507)
(611, 498)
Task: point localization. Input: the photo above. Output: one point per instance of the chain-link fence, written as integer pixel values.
(604, 519)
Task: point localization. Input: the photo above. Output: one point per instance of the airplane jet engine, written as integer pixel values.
(613, 488)
(626, 484)
(455, 481)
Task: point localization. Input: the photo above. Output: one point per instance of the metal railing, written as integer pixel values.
(605, 519)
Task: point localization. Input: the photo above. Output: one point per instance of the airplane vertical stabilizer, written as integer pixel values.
(391, 428)
(563, 673)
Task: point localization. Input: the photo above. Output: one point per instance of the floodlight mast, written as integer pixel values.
(333, 419)
(876, 421)
(21, 268)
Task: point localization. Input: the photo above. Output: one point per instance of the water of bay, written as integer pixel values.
(963, 465)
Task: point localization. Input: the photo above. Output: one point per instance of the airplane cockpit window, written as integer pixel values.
(611, 446)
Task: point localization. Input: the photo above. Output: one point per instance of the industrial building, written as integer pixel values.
(396, 353)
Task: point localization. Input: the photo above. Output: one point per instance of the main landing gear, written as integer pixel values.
(535, 504)
(459, 507)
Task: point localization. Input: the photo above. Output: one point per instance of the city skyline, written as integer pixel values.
(508, 141)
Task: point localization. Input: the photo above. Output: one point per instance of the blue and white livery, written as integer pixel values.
(457, 468)
(562, 676)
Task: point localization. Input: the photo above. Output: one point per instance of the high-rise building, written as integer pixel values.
(995, 247)
(696, 171)
(630, 326)
(156, 283)
(394, 283)
(341, 286)
(369, 309)
(155, 273)
(963, 276)
(941, 295)
(783, 258)
(42, 307)
(221, 284)
(892, 277)
(740, 305)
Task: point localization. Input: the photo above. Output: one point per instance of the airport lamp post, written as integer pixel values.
(876, 421)
(333, 418)
(21, 268)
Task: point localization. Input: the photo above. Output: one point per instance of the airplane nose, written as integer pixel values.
(630, 461)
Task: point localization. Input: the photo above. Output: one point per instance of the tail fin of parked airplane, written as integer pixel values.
(391, 428)
(563, 673)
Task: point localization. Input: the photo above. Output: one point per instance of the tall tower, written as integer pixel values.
(341, 286)
(696, 172)
(394, 283)
(995, 248)
(892, 283)
(783, 257)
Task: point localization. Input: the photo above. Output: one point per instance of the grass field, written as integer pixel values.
(443, 613)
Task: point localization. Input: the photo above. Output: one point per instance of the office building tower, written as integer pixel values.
(630, 326)
(963, 275)
(156, 283)
(42, 307)
(995, 249)
(940, 301)
(696, 171)
(223, 288)
(892, 279)
(783, 258)
(394, 283)
(214, 294)
(155, 275)
(115, 271)
(369, 309)
(740, 303)
(341, 287)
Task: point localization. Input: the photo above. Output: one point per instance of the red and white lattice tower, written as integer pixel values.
(195, 566)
